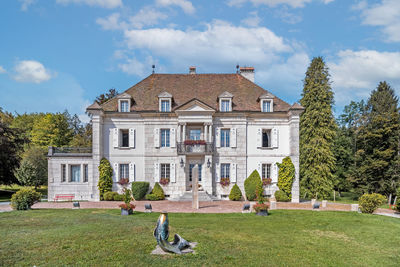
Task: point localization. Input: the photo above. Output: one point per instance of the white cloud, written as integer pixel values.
(253, 20)
(356, 73)
(2, 70)
(25, 4)
(186, 5)
(286, 16)
(31, 71)
(274, 3)
(386, 15)
(135, 67)
(112, 22)
(99, 3)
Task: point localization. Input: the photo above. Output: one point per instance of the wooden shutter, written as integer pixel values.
(233, 172)
(172, 172)
(132, 172)
(157, 137)
(259, 169)
(233, 133)
(132, 137)
(274, 173)
(259, 137)
(172, 137)
(218, 137)
(115, 135)
(156, 172)
(217, 172)
(275, 137)
(116, 173)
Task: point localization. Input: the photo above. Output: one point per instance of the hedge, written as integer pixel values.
(252, 185)
(156, 194)
(24, 199)
(140, 189)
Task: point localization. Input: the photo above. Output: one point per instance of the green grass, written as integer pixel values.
(285, 238)
(6, 191)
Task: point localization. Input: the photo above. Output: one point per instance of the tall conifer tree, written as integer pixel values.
(317, 132)
(377, 153)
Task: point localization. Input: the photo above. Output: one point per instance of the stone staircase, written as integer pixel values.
(203, 196)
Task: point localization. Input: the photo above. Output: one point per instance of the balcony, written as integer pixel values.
(198, 147)
(70, 151)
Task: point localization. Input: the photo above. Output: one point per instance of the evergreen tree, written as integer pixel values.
(317, 132)
(377, 156)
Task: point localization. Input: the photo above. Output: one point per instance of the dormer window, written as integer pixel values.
(165, 102)
(225, 102)
(124, 102)
(266, 106)
(267, 102)
(124, 106)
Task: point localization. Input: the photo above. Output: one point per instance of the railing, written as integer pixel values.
(69, 151)
(206, 148)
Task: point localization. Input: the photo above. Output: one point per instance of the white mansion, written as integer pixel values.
(160, 128)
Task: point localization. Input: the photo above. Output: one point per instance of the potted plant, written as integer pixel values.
(224, 182)
(164, 181)
(127, 207)
(261, 208)
(123, 181)
(194, 142)
(266, 181)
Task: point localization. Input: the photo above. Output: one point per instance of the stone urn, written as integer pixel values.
(126, 212)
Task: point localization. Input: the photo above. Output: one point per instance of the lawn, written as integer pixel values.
(6, 191)
(290, 238)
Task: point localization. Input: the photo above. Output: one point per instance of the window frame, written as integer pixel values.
(165, 139)
(225, 170)
(122, 132)
(164, 100)
(71, 173)
(120, 105)
(228, 106)
(269, 141)
(85, 173)
(165, 168)
(267, 104)
(123, 171)
(63, 173)
(225, 142)
(266, 171)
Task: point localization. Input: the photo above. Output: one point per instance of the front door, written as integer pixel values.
(189, 176)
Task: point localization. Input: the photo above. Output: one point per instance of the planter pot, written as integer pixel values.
(262, 213)
(126, 212)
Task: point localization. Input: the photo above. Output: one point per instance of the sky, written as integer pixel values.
(61, 54)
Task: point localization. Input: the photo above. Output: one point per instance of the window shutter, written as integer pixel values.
(233, 133)
(116, 137)
(274, 173)
(218, 137)
(132, 172)
(132, 134)
(156, 172)
(172, 137)
(259, 137)
(259, 169)
(116, 174)
(157, 137)
(172, 173)
(275, 137)
(217, 172)
(233, 172)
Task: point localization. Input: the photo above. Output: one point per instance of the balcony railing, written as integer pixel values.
(204, 148)
(70, 151)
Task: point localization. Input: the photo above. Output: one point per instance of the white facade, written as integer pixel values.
(147, 146)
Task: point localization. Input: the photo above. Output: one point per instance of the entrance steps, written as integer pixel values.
(203, 196)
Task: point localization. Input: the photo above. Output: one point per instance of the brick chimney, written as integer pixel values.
(192, 70)
(248, 73)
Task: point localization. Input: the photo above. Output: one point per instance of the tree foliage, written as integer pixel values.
(33, 168)
(52, 130)
(105, 177)
(317, 131)
(286, 176)
(107, 96)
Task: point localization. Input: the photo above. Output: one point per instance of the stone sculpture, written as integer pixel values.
(161, 233)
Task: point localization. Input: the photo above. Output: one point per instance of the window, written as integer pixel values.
(225, 105)
(123, 171)
(85, 173)
(124, 106)
(75, 173)
(266, 106)
(165, 138)
(165, 106)
(191, 166)
(63, 172)
(225, 133)
(194, 134)
(266, 171)
(125, 138)
(225, 168)
(165, 171)
(266, 142)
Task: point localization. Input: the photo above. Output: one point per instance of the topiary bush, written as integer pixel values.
(235, 194)
(118, 197)
(24, 199)
(252, 185)
(109, 196)
(286, 176)
(156, 194)
(140, 189)
(105, 177)
(281, 196)
(370, 202)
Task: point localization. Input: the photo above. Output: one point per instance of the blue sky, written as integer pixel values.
(61, 54)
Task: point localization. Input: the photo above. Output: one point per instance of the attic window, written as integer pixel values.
(225, 105)
(266, 106)
(267, 102)
(165, 105)
(124, 105)
(165, 101)
(225, 102)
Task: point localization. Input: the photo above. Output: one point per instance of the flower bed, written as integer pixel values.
(225, 182)
(266, 181)
(194, 142)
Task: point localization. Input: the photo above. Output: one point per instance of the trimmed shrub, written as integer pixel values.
(156, 194)
(252, 185)
(281, 196)
(370, 202)
(105, 177)
(109, 196)
(24, 199)
(235, 194)
(140, 189)
(286, 176)
(118, 197)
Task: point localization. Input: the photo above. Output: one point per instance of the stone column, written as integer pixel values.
(184, 133)
(210, 136)
(205, 132)
(97, 153)
(179, 132)
(195, 187)
(294, 124)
